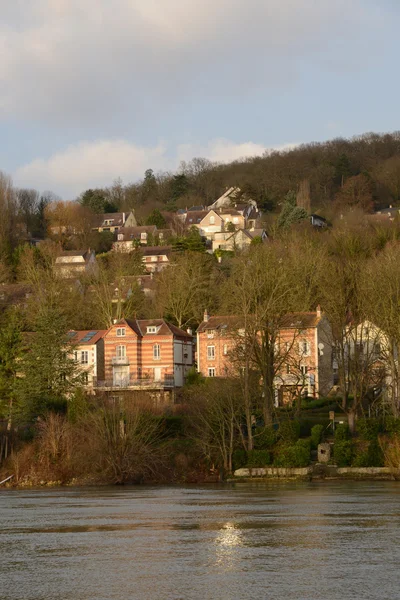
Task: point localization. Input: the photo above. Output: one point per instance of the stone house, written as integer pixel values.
(76, 263)
(113, 221)
(156, 258)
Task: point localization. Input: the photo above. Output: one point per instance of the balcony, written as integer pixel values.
(120, 360)
(131, 383)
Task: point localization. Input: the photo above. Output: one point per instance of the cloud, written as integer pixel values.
(82, 62)
(96, 164)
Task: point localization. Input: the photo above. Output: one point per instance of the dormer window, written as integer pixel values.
(143, 235)
(108, 221)
(121, 332)
(152, 329)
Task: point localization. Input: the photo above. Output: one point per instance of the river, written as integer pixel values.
(290, 541)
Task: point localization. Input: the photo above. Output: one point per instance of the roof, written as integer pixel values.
(302, 320)
(196, 209)
(220, 322)
(194, 217)
(74, 253)
(86, 337)
(139, 326)
(156, 250)
(130, 233)
(117, 218)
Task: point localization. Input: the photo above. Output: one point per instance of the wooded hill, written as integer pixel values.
(363, 171)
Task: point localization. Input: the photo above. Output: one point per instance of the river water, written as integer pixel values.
(290, 541)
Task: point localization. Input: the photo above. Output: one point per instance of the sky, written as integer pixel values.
(94, 90)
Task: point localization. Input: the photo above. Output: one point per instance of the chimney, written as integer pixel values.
(390, 206)
(123, 218)
(206, 316)
(115, 321)
(319, 313)
(189, 331)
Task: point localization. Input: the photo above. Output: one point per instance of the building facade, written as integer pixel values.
(303, 353)
(146, 354)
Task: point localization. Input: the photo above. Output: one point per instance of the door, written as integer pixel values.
(157, 373)
(121, 376)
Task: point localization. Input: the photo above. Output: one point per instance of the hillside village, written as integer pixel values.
(296, 308)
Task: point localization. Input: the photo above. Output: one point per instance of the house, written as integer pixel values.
(76, 263)
(89, 354)
(113, 221)
(303, 356)
(305, 344)
(156, 258)
(128, 238)
(146, 354)
(238, 240)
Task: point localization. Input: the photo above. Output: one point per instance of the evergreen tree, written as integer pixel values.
(156, 218)
(48, 370)
(10, 354)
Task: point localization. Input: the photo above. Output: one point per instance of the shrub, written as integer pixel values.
(264, 438)
(368, 429)
(293, 455)
(370, 456)
(342, 432)
(343, 452)
(316, 435)
(392, 425)
(258, 458)
(289, 431)
(239, 459)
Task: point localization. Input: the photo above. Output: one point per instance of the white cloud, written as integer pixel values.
(83, 61)
(95, 164)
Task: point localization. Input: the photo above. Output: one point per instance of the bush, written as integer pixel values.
(392, 425)
(370, 456)
(239, 459)
(289, 431)
(264, 438)
(307, 404)
(308, 423)
(342, 432)
(316, 435)
(343, 452)
(258, 458)
(368, 429)
(293, 455)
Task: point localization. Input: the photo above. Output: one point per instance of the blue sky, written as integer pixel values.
(93, 90)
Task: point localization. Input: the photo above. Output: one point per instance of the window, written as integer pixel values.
(84, 357)
(108, 221)
(143, 235)
(210, 352)
(211, 372)
(212, 220)
(236, 220)
(304, 348)
(225, 350)
(120, 237)
(85, 378)
(288, 369)
(121, 351)
(304, 369)
(121, 331)
(75, 355)
(156, 352)
(152, 329)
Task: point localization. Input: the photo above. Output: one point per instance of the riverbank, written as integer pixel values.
(317, 472)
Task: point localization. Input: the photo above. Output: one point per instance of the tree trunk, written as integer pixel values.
(351, 416)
